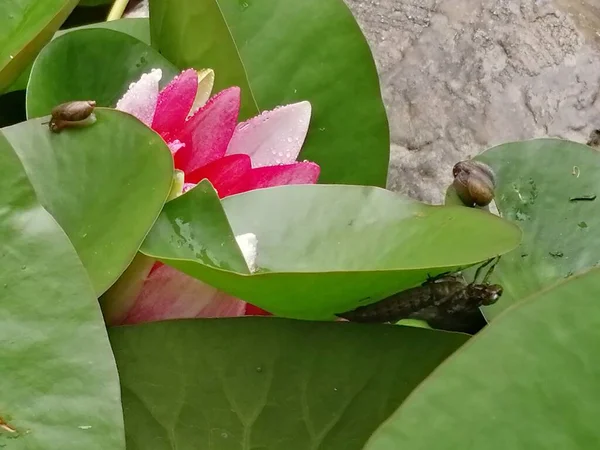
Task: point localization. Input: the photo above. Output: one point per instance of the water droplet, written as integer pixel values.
(289, 140)
(23, 267)
(259, 369)
(335, 389)
(224, 435)
(5, 285)
(245, 6)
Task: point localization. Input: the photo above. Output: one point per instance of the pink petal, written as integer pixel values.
(187, 187)
(175, 145)
(140, 100)
(252, 310)
(207, 133)
(174, 103)
(229, 175)
(274, 137)
(297, 173)
(170, 294)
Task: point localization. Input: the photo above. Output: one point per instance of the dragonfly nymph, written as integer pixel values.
(444, 296)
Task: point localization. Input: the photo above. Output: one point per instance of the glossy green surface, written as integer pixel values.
(59, 384)
(25, 27)
(267, 383)
(137, 28)
(322, 249)
(105, 184)
(536, 180)
(527, 381)
(95, 63)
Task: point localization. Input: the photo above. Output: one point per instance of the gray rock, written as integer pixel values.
(460, 76)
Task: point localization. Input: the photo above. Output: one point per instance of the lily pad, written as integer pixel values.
(95, 63)
(267, 383)
(25, 27)
(322, 249)
(137, 28)
(280, 52)
(546, 186)
(59, 381)
(528, 381)
(105, 184)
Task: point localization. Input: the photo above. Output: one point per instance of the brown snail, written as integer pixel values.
(72, 114)
(474, 182)
(594, 139)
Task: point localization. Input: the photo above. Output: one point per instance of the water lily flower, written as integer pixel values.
(207, 142)
(258, 153)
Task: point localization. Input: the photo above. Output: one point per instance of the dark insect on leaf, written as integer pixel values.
(435, 299)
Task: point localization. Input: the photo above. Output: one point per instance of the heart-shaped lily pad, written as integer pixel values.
(105, 184)
(548, 187)
(322, 249)
(267, 383)
(90, 63)
(528, 381)
(25, 27)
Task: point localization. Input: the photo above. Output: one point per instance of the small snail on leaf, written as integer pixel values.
(72, 114)
(474, 182)
(594, 139)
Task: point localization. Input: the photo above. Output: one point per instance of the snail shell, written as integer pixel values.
(72, 114)
(474, 182)
(594, 139)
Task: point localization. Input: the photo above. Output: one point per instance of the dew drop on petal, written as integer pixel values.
(140, 99)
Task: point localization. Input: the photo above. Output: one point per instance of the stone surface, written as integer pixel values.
(459, 76)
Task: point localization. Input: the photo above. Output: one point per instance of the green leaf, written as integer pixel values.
(137, 28)
(25, 27)
(105, 184)
(322, 249)
(267, 383)
(529, 380)
(536, 180)
(94, 2)
(94, 64)
(59, 384)
(279, 52)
